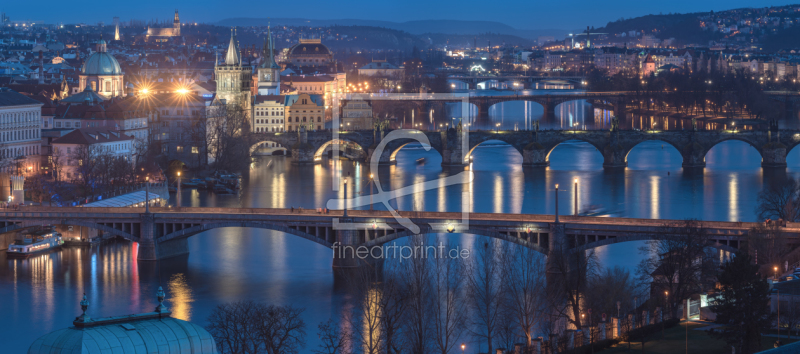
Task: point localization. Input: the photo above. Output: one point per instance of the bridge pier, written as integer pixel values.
(384, 159)
(535, 155)
(773, 155)
(303, 152)
(549, 115)
(452, 151)
(614, 156)
(694, 156)
(349, 259)
(150, 249)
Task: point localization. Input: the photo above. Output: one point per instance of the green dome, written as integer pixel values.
(101, 63)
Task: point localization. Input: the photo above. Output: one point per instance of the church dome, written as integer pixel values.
(101, 63)
(146, 335)
(309, 47)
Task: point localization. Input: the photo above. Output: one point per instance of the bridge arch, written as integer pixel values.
(468, 155)
(676, 147)
(259, 145)
(578, 138)
(733, 137)
(380, 241)
(360, 150)
(194, 230)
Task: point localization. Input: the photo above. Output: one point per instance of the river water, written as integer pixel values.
(41, 294)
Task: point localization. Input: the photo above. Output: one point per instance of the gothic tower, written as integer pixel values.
(269, 76)
(176, 25)
(234, 80)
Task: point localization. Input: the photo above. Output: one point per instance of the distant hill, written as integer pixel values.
(413, 27)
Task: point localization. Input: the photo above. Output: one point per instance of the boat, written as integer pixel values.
(190, 185)
(420, 161)
(35, 242)
(600, 211)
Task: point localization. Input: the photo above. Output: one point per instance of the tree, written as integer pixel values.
(742, 305)
(779, 200)
(419, 305)
(447, 310)
(486, 290)
(678, 261)
(525, 298)
(333, 340)
(250, 327)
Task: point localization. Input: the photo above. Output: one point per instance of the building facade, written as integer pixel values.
(269, 77)
(164, 34)
(310, 52)
(304, 110)
(269, 114)
(357, 115)
(20, 132)
(234, 80)
(102, 73)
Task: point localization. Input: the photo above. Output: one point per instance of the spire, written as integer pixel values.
(177, 19)
(232, 56)
(269, 52)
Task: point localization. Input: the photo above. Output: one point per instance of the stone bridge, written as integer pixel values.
(163, 232)
(535, 146)
(525, 80)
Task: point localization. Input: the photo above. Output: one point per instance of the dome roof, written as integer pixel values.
(147, 335)
(309, 47)
(101, 63)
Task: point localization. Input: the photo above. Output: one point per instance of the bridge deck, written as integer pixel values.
(595, 223)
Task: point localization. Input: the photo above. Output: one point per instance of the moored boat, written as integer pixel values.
(35, 242)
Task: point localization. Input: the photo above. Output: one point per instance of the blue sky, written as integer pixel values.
(530, 14)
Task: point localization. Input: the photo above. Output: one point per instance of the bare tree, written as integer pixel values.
(228, 129)
(486, 290)
(419, 306)
(251, 327)
(526, 294)
(449, 300)
(780, 200)
(232, 327)
(280, 329)
(333, 340)
(678, 261)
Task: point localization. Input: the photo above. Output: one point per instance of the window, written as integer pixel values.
(179, 149)
(77, 124)
(194, 149)
(164, 149)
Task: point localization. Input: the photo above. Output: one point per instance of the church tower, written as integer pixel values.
(269, 74)
(234, 79)
(176, 25)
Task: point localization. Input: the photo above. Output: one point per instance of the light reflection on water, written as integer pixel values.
(42, 293)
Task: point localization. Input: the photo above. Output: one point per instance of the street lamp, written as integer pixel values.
(497, 127)
(576, 197)
(147, 194)
(370, 191)
(178, 199)
(463, 347)
(556, 202)
(776, 273)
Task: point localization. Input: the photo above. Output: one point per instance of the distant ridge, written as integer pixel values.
(414, 27)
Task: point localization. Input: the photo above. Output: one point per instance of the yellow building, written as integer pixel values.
(304, 110)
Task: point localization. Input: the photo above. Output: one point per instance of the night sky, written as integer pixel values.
(537, 14)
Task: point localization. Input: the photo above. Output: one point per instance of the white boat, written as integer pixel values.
(35, 242)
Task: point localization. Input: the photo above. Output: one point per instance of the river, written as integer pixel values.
(41, 294)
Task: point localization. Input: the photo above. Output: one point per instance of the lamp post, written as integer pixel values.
(576, 197)
(556, 203)
(370, 191)
(666, 302)
(463, 347)
(776, 273)
(345, 197)
(178, 199)
(147, 195)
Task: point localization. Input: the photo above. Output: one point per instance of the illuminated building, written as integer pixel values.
(304, 110)
(310, 52)
(102, 73)
(269, 77)
(20, 132)
(269, 113)
(357, 115)
(234, 80)
(164, 34)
